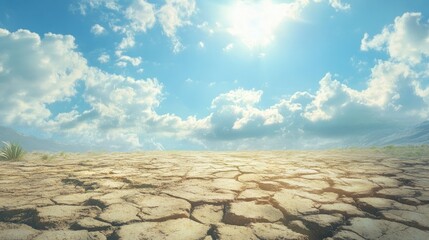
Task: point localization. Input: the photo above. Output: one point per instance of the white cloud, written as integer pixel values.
(335, 115)
(120, 112)
(104, 58)
(177, 45)
(389, 93)
(118, 53)
(403, 74)
(97, 29)
(235, 111)
(127, 42)
(83, 5)
(173, 15)
(120, 108)
(35, 72)
(393, 95)
(123, 60)
(405, 40)
(121, 64)
(297, 102)
(420, 91)
(109, 4)
(120, 96)
(117, 28)
(382, 87)
(338, 5)
(241, 97)
(141, 15)
(334, 99)
(135, 61)
(201, 44)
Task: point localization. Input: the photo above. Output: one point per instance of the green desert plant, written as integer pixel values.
(11, 151)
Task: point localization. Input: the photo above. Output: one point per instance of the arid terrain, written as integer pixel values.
(337, 194)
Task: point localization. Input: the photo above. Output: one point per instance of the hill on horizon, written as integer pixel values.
(30, 143)
(417, 135)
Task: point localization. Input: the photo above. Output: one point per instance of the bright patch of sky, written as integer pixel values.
(187, 74)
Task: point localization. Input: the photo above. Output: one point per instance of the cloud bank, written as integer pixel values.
(121, 112)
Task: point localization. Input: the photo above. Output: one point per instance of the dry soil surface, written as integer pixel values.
(215, 195)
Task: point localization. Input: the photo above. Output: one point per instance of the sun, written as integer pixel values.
(255, 23)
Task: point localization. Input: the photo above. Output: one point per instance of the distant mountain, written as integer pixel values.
(416, 135)
(30, 143)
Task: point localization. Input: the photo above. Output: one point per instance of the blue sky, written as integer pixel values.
(217, 75)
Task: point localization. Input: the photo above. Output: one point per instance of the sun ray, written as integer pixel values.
(255, 23)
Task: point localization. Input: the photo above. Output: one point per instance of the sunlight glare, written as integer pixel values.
(254, 23)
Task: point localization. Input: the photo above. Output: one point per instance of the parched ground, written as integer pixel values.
(343, 194)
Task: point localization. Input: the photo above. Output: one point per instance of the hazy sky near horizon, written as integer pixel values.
(189, 74)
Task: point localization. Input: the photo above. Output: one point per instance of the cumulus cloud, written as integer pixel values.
(236, 115)
(404, 40)
(338, 110)
(120, 112)
(97, 29)
(381, 93)
(335, 115)
(36, 71)
(141, 15)
(396, 96)
(119, 100)
(393, 95)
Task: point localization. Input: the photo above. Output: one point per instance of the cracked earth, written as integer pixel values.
(215, 195)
